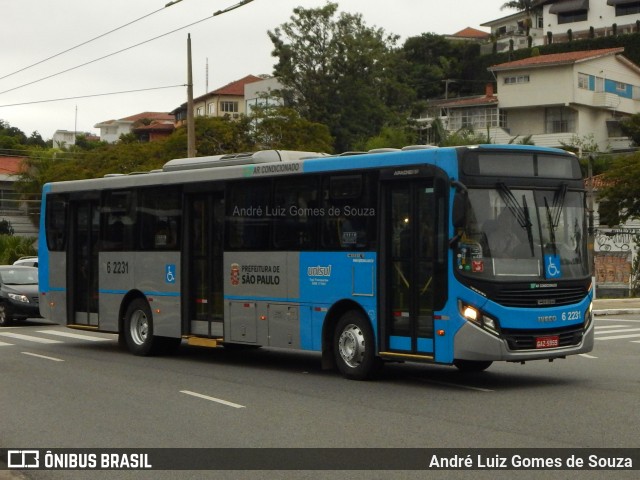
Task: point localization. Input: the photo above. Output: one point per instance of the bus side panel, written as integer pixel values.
(158, 276)
(266, 291)
(155, 275)
(115, 279)
(53, 305)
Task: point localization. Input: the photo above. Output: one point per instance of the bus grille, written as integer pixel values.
(540, 298)
(526, 339)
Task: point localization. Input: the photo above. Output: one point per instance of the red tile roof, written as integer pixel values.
(150, 116)
(471, 33)
(11, 165)
(566, 58)
(236, 88)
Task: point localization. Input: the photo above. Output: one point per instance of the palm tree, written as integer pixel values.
(526, 6)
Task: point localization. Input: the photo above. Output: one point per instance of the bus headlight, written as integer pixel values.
(479, 318)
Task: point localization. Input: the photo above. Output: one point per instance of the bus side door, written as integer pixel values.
(413, 277)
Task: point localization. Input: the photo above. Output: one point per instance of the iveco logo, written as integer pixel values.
(549, 318)
(547, 301)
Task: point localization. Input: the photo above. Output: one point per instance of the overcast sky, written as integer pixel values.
(235, 44)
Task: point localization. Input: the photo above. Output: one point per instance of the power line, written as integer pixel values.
(88, 41)
(219, 12)
(92, 95)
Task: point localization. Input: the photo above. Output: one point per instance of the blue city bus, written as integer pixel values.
(458, 256)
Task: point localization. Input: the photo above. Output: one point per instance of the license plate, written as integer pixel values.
(548, 342)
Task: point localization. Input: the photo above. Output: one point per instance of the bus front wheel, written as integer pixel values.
(138, 328)
(353, 346)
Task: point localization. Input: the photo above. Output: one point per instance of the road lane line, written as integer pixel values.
(28, 338)
(611, 326)
(4, 344)
(212, 399)
(620, 331)
(618, 337)
(585, 355)
(447, 384)
(75, 335)
(43, 356)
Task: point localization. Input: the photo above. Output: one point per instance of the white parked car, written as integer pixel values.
(27, 261)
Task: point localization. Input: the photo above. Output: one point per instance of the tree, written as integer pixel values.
(622, 186)
(282, 128)
(342, 73)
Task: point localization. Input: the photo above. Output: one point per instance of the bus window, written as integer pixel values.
(159, 216)
(349, 212)
(56, 222)
(295, 212)
(246, 217)
(118, 221)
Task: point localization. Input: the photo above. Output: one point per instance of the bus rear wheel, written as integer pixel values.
(471, 366)
(353, 346)
(138, 328)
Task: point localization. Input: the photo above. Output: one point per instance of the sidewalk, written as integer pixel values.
(616, 306)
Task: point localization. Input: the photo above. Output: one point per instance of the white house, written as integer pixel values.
(580, 16)
(265, 92)
(513, 29)
(555, 18)
(110, 130)
(561, 97)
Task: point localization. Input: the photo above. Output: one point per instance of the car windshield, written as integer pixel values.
(19, 276)
(524, 234)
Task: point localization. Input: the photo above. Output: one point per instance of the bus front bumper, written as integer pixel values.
(474, 343)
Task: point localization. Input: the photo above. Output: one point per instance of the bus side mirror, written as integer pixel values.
(459, 211)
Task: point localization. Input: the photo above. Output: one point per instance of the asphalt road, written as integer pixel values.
(61, 388)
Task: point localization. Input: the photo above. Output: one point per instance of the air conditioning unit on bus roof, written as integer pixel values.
(262, 156)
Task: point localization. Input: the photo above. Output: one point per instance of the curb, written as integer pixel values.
(617, 311)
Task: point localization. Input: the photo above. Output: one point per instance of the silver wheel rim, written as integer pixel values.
(351, 345)
(139, 327)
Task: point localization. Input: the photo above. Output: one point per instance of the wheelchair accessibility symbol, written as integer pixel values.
(552, 266)
(170, 273)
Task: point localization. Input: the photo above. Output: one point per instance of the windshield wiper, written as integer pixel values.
(521, 213)
(554, 218)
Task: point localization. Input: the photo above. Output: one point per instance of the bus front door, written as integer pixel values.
(82, 268)
(409, 243)
(204, 289)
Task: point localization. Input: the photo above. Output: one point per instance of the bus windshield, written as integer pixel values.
(523, 235)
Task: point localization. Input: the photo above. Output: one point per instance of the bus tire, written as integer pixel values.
(472, 366)
(138, 329)
(354, 347)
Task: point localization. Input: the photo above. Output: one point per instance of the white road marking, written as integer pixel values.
(212, 399)
(611, 326)
(75, 335)
(43, 356)
(4, 344)
(446, 384)
(620, 331)
(585, 355)
(618, 337)
(28, 338)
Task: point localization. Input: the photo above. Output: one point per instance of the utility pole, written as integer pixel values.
(191, 124)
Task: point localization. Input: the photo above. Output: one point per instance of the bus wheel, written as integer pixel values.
(138, 328)
(353, 346)
(472, 365)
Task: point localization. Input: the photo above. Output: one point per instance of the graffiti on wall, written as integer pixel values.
(613, 256)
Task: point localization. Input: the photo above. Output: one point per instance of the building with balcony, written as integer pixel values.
(560, 97)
